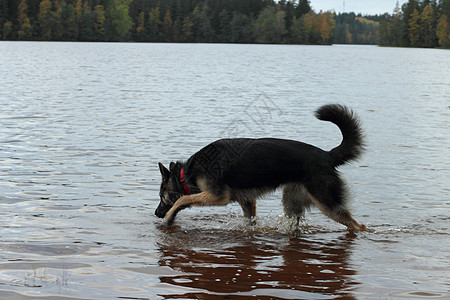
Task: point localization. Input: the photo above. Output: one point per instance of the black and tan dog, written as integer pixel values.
(243, 170)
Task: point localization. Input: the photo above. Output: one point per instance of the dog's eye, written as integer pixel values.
(174, 195)
(164, 197)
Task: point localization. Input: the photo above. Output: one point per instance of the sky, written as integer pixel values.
(369, 7)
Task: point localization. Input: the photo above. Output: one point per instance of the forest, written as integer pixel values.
(416, 23)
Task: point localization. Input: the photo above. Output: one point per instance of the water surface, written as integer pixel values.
(83, 126)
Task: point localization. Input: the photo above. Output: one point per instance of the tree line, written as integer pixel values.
(356, 29)
(416, 23)
(228, 21)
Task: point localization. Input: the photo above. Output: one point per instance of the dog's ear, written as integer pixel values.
(164, 172)
(172, 166)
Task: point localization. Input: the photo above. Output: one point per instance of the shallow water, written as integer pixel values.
(82, 127)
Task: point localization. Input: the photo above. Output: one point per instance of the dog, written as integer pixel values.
(242, 170)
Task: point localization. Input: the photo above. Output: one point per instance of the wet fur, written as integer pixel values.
(243, 170)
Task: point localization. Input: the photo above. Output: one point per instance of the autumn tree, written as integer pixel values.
(414, 29)
(443, 31)
(428, 27)
(176, 30)
(443, 26)
(25, 29)
(78, 13)
(45, 19)
(419, 23)
(99, 24)
(167, 26)
(140, 29)
(57, 21)
(309, 24)
(325, 23)
(186, 29)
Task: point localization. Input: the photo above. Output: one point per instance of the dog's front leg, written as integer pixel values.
(182, 203)
(201, 199)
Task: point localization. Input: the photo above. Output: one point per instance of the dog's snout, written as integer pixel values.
(162, 209)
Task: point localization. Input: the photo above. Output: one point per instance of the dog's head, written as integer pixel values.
(170, 190)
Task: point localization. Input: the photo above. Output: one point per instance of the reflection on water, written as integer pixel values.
(80, 142)
(267, 265)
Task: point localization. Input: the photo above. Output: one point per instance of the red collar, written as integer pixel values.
(186, 189)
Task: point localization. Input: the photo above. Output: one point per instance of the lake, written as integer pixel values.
(83, 126)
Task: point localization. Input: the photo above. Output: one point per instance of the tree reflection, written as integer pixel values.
(270, 265)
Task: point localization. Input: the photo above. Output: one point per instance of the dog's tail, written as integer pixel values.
(352, 144)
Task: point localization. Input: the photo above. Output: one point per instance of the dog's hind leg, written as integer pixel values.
(202, 199)
(249, 207)
(295, 200)
(329, 195)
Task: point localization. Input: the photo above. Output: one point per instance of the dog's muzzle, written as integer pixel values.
(162, 209)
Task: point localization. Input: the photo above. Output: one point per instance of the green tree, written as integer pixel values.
(270, 26)
(298, 34)
(302, 8)
(241, 29)
(203, 31)
(7, 29)
(78, 11)
(86, 24)
(69, 23)
(396, 27)
(445, 7)
(5, 24)
(385, 32)
(120, 19)
(391, 28)
(224, 31)
(290, 14)
(154, 22)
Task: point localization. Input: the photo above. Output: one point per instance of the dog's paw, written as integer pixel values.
(358, 228)
(169, 220)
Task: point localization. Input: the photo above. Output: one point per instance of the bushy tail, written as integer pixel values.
(352, 144)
